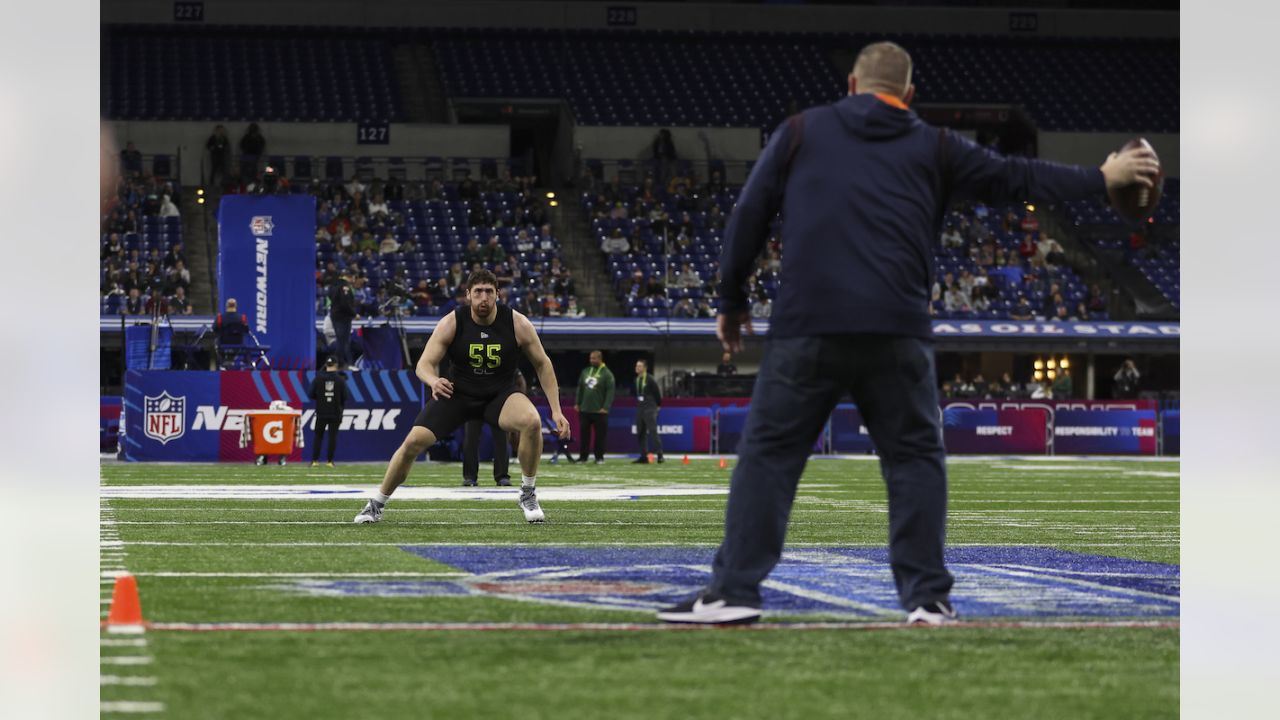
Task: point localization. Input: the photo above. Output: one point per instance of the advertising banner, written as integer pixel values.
(1172, 432)
(198, 416)
(1016, 432)
(1051, 406)
(1104, 432)
(266, 261)
(682, 430)
(733, 420)
(848, 434)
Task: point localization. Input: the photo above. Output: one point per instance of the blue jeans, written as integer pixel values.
(892, 380)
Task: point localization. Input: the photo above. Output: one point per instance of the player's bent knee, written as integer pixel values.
(418, 441)
(531, 424)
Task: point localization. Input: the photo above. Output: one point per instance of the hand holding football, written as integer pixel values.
(1135, 180)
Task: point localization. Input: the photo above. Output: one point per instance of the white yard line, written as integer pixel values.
(131, 706)
(126, 680)
(579, 627)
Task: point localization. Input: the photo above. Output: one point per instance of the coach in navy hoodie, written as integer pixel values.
(862, 185)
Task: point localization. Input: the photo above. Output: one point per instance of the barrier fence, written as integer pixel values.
(198, 415)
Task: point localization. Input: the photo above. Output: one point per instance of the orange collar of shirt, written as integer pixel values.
(896, 102)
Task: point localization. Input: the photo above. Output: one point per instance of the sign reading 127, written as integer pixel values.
(373, 133)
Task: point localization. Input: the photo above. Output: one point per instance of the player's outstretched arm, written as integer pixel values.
(528, 340)
(428, 369)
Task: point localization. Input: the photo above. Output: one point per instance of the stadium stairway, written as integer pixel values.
(200, 253)
(409, 77)
(595, 291)
(430, 85)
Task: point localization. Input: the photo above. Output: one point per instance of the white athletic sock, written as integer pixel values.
(528, 482)
(381, 499)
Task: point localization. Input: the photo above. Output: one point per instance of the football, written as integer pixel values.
(1135, 203)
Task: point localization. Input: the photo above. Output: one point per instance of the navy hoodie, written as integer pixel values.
(863, 187)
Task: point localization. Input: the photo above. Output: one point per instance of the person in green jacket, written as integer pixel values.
(1062, 385)
(595, 395)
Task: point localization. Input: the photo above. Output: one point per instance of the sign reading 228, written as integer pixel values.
(485, 356)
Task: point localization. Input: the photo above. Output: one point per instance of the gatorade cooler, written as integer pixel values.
(273, 432)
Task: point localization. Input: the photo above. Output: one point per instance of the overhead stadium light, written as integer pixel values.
(551, 195)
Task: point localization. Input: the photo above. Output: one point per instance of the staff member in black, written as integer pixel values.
(863, 185)
(648, 400)
(330, 393)
(501, 449)
(482, 340)
(342, 310)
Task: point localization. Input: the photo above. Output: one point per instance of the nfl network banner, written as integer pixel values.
(1104, 432)
(197, 415)
(1021, 432)
(266, 261)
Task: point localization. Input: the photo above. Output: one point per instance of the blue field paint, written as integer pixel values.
(839, 581)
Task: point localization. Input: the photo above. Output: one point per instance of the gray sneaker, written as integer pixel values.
(372, 513)
(529, 504)
(939, 612)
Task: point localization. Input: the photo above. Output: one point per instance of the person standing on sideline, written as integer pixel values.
(648, 399)
(330, 393)
(503, 445)
(595, 395)
(342, 311)
(483, 340)
(863, 185)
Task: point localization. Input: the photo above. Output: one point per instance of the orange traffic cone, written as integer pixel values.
(686, 459)
(723, 464)
(649, 457)
(126, 610)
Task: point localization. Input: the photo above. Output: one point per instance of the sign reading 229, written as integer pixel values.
(485, 356)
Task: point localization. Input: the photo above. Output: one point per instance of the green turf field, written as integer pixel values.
(481, 632)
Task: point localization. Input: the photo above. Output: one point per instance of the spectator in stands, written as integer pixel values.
(167, 208)
(180, 304)
(177, 276)
(954, 300)
(378, 207)
(473, 254)
(130, 160)
(252, 146)
(688, 277)
(468, 190)
(563, 283)
(388, 245)
(571, 309)
(546, 241)
(951, 237)
(980, 387)
(1097, 302)
(493, 253)
(1081, 313)
(979, 302)
(422, 295)
(1010, 388)
(715, 219)
(654, 288)
(1062, 385)
(219, 147)
(393, 190)
(1127, 381)
(1030, 223)
(133, 304)
(726, 368)
(616, 243)
(684, 308)
(1027, 247)
(524, 243)
(1021, 311)
(762, 308)
(456, 277)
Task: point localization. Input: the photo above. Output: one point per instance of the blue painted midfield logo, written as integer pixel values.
(845, 582)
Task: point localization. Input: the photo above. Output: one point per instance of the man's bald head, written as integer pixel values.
(882, 67)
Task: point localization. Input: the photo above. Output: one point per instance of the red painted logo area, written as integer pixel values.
(566, 587)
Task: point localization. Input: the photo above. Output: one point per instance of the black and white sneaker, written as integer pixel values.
(934, 613)
(709, 609)
(469, 482)
(529, 504)
(371, 513)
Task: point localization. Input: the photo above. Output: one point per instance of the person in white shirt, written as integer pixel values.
(167, 208)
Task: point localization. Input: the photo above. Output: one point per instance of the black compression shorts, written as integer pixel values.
(442, 417)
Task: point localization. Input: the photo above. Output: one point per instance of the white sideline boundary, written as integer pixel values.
(644, 627)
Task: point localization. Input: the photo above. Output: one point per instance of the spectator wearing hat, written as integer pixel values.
(330, 393)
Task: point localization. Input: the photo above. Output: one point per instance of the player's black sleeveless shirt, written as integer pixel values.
(483, 359)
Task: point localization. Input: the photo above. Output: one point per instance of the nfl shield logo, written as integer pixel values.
(164, 418)
(261, 226)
